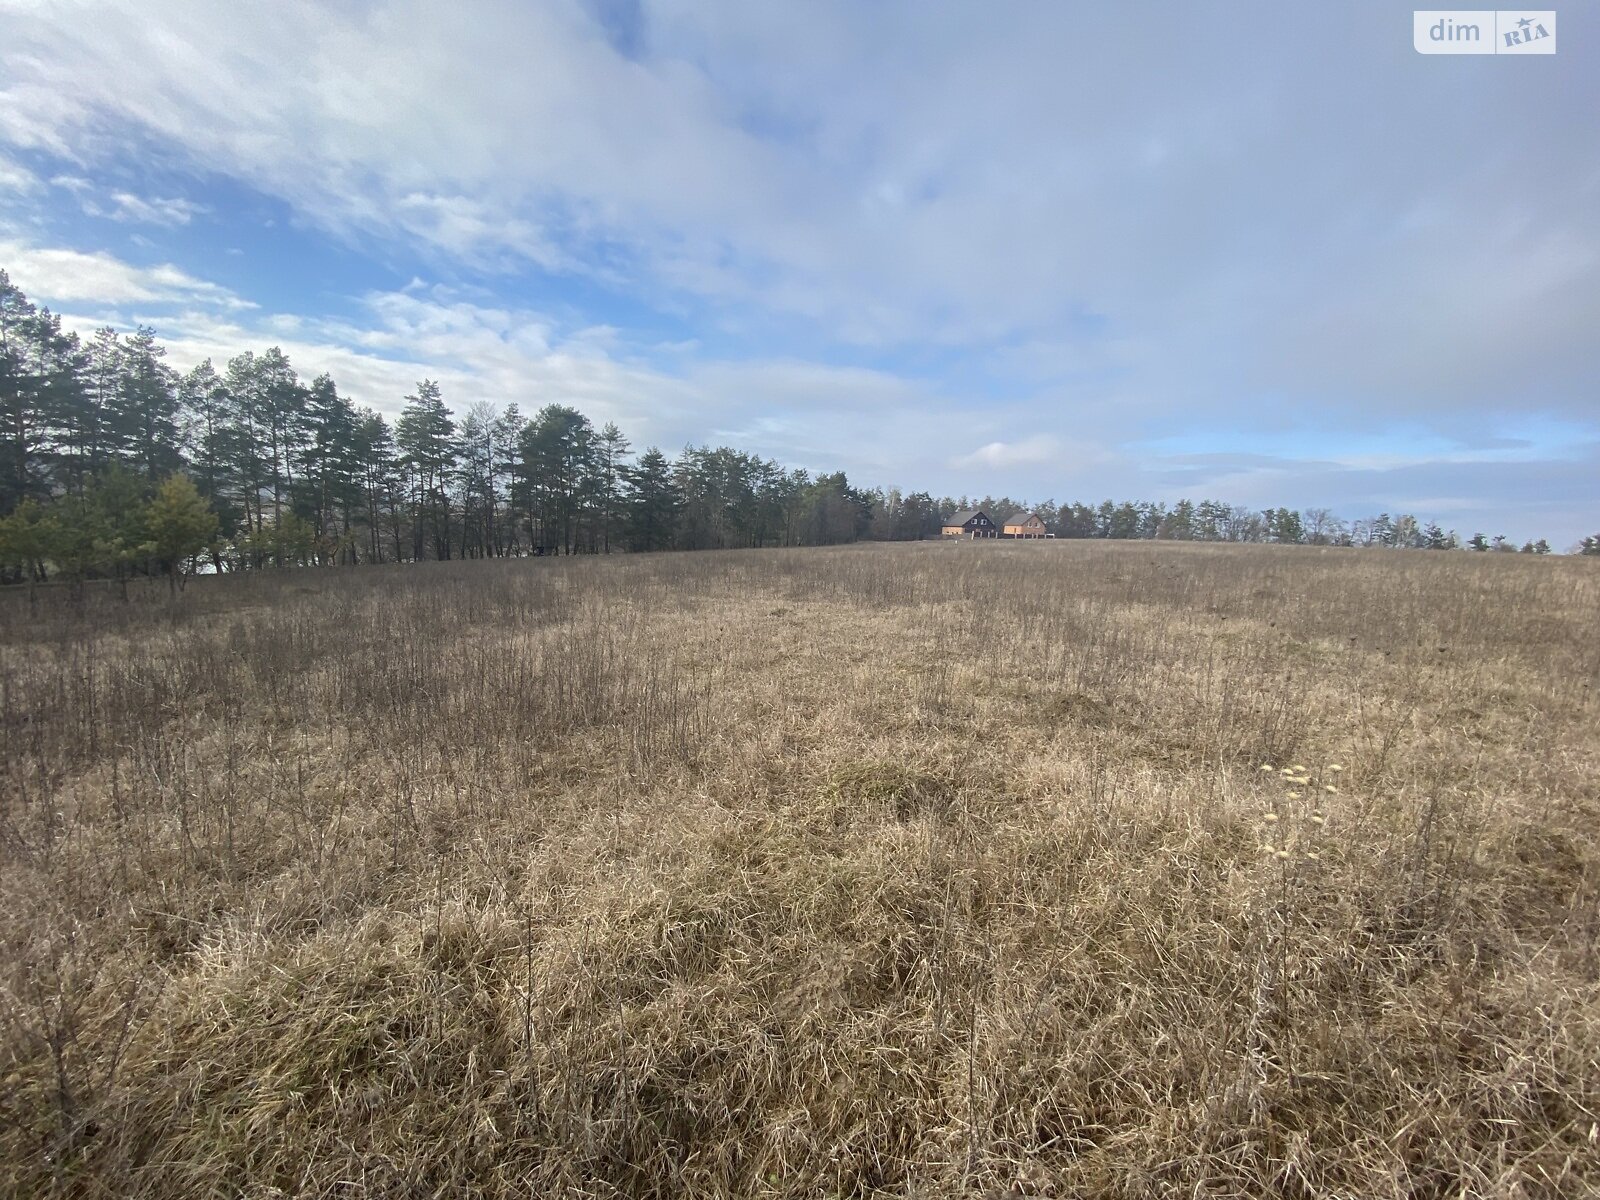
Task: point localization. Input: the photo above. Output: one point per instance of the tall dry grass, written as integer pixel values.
(909, 871)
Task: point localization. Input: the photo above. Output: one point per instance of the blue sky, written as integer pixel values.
(1264, 253)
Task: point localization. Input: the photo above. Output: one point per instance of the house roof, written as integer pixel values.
(1020, 518)
(961, 518)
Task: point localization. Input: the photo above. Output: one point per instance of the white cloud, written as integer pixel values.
(153, 210)
(14, 177)
(1037, 448)
(898, 178)
(906, 179)
(56, 274)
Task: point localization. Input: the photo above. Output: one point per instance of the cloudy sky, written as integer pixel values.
(1260, 252)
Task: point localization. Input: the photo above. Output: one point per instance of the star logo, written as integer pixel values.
(1525, 22)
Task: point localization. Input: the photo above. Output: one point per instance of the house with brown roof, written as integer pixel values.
(974, 523)
(1023, 525)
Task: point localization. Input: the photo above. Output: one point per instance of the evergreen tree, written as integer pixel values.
(211, 440)
(91, 437)
(1382, 530)
(1211, 521)
(556, 448)
(917, 518)
(328, 465)
(180, 525)
(246, 444)
(28, 538)
(20, 435)
(141, 417)
(478, 480)
(1179, 523)
(506, 439)
(425, 437)
(651, 501)
(611, 453)
(381, 486)
(1284, 525)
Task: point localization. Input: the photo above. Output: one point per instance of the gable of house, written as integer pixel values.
(972, 518)
(1024, 521)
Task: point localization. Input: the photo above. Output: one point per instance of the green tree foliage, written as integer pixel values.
(28, 538)
(556, 466)
(916, 517)
(179, 525)
(21, 409)
(425, 437)
(611, 455)
(1284, 525)
(651, 502)
(142, 421)
(327, 492)
(93, 431)
(478, 480)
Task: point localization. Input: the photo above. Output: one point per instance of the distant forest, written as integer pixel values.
(113, 464)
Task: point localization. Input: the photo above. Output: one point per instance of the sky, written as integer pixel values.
(1265, 253)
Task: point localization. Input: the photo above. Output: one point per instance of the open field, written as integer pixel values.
(914, 870)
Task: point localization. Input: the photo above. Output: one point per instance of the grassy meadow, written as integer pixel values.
(909, 870)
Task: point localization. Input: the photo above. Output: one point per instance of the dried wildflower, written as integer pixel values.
(1282, 854)
(1269, 848)
(1331, 788)
(1266, 766)
(1269, 816)
(1335, 767)
(1294, 795)
(1312, 855)
(1317, 818)
(1298, 769)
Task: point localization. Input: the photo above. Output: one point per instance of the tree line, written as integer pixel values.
(114, 464)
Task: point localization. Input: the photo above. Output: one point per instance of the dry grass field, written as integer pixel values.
(920, 870)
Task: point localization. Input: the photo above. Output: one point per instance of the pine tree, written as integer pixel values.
(92, 437)
(381, 483)
(180, 525)
(19, 399)
(477, 479)
(556, 449)
(506, 437)
(328, 464)
(425, 437)
(1382, 530)
(28, 537)
(141, 417)
(1211, 517)
(652, 502)
(211, 439)
(282, 415)
(611, 453)
(247, 420)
